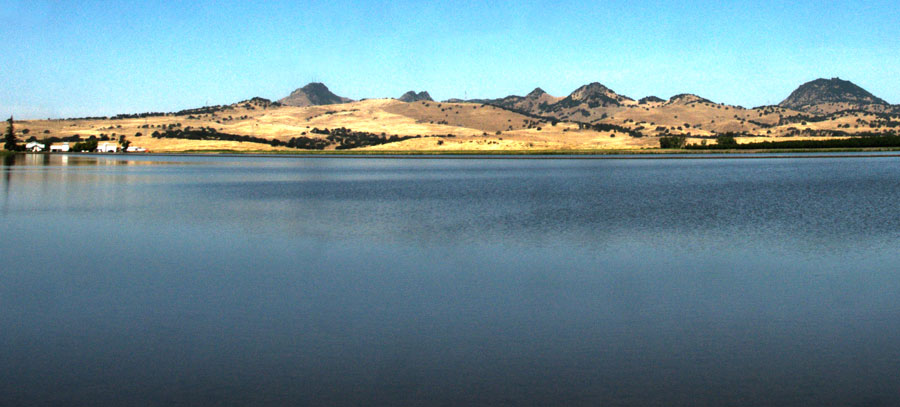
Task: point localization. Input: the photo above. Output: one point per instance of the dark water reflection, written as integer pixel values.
(321, 281)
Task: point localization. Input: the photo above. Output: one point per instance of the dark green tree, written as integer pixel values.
(673, 141)
(10, 138)
(125, 143)
(89, 145)
(726, 139)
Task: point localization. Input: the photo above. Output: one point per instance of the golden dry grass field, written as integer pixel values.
(445, 126)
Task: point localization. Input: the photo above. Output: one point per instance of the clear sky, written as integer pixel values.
(75, 58)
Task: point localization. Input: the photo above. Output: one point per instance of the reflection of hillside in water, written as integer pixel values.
(800, 206)
(84, 182)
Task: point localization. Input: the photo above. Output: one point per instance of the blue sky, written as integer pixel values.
(64, 59)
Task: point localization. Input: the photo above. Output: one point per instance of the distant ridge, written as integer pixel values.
(594, 101)
(594, 94)
(650, 99)
(687, 98)
(589, 102)
(826, 91)
(412, 96)
(313, 94)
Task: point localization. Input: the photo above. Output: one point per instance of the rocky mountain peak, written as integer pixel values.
(536, 93)
(313, 94)
(412, 96)
(592, 91)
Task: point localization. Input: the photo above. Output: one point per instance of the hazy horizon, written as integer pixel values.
(97, 59)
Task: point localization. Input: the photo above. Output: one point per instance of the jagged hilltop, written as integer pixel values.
(313, 94)
(533, 103)
(412, 96)
(593, 95)
(818, 95)
(588, 103)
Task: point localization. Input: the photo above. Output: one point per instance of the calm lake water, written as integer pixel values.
(153, 280)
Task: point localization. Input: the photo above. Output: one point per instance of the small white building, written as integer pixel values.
(59, 147)
(35, 146)
(107, 148)
(136, 149)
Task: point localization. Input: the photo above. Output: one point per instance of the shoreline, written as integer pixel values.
(520, 154)
(575, 153)
(551, 152)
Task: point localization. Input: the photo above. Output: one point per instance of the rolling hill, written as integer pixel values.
(591, 117)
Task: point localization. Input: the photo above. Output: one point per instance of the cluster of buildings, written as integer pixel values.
(104, 147)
